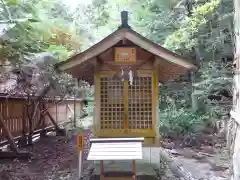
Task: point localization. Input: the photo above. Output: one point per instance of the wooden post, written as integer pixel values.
(53, 121)
(134, 169)
(23, 141)
(43, 132)
(56, 112)
(74, 113)
(30, 120)
(80, 146)
(66, 117)
(101, 170)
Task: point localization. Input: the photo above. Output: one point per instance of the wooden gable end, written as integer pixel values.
(149, 54)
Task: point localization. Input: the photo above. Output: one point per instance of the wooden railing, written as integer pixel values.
(14, 115)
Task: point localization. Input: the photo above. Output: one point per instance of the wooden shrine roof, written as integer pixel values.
(82, 65)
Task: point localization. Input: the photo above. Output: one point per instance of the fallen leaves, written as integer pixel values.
(53, 160)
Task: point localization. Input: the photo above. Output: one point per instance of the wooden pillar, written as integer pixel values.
(97, 100)
(23, 141)
(156, 120)
(74, 112)
(52, 120)
(43, 125)
(75, 106)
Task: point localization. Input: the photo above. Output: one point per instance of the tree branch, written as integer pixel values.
(9, 16)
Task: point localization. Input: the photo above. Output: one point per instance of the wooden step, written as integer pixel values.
(113, 175)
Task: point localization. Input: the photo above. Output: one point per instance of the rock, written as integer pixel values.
(198, 156)
(208, 149)
(218, 145)
(168, 145)
(191, 140)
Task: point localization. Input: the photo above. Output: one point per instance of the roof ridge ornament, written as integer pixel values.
(124, 20)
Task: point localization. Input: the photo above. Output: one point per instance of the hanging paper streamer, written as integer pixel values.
(130, 74)
(122, 74)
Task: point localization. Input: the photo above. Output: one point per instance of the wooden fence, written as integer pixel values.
(13, 111)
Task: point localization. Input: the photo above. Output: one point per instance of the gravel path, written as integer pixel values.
(203, 165)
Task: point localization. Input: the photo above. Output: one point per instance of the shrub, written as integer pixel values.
(177, 122)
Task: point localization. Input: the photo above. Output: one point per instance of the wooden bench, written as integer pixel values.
(116, 149)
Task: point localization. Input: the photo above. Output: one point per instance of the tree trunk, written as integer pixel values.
(234, 123)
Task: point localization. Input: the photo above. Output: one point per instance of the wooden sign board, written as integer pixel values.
(116, 149)
(80, 141)
(125, 55)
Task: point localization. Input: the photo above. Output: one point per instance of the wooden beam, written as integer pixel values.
(134, 67)
(46, 129)
(156, 67)
(97, 64)
(95, 50)
(53, 121)
(38, 123)
(158, 51)
(11, 155)
(124, 41)
(9, 135)
(43, 132)
(132, 36)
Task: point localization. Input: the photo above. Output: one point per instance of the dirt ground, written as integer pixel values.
(53, 159)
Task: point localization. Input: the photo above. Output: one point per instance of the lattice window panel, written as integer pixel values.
(140, 103)
(112, 103)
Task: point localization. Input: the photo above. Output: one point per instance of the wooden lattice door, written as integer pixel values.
(140, 104)
(126, 108)
(112, 103)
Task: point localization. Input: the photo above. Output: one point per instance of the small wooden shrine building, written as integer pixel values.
(126, 69)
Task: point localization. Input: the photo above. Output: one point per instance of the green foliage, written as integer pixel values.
(153, 18)
(175, 122)
(59, 50)
(215, 76)
(184, 37)
(24, 41)
(48, 33)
